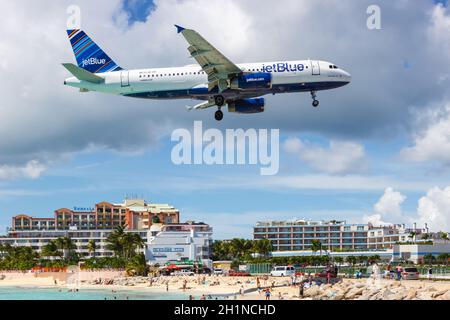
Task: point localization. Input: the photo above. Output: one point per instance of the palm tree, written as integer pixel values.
(429, 257)
(91, 247)
(115, 241)
(263, 247)
(123, 244)
(443, 257)
(412, 236)
(316, 245)
(444, 236)
(375, 258)
(50, 250)
(425, 236)
(339, 260)
(138, 265)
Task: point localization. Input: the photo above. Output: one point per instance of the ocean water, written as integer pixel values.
(22, 293)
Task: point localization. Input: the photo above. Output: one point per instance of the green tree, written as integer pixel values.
(425, 236)
(339, 260)
(263, 247)
(137, 265)
(429, 258)
(316, 245)
(50, 250)
(444, 236)
(18, 258)
(443, 258)
(91, 247)
(412, 236)
(375, 258)
(124, 244)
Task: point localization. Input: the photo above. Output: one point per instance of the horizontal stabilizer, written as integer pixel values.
(82, 74)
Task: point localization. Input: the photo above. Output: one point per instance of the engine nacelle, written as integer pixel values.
(257, 80)
(247, 106)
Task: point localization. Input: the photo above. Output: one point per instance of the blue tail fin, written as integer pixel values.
(89, 55)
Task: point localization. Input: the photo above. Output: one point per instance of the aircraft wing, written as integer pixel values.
(218, 67)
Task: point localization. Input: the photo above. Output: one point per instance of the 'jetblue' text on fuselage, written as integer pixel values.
(283, 67)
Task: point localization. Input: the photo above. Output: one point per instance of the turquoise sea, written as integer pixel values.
(22, 293)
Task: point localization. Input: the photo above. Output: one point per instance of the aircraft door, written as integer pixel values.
(125, 78)
(315, 67)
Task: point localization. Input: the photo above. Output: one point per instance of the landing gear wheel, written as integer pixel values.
(219, 115)
(219, 100)
(315, 101)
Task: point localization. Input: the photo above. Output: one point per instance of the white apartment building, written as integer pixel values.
(179, 242)
(298, 235)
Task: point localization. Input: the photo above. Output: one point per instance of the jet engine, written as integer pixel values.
(258, 80)
(247, 106)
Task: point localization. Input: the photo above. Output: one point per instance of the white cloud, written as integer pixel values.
(432, 143)
(60, 120)
(388, 209)
(341, 157)
(434, 209)
(33, 170)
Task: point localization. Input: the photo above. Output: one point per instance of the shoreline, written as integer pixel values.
(230, 288)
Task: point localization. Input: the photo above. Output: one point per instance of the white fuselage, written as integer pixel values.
(191, 82)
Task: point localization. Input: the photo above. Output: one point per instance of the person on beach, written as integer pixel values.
(267, 294)
(203, 297)
(430, 273)
(301, 289)
(167, 286)
(399, 272)
(184, 285)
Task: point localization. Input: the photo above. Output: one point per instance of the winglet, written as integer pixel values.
(180, 29)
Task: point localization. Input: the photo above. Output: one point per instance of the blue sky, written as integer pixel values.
(64, 149)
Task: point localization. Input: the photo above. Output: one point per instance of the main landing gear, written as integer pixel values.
(220, 102)
(315, 101)
(218, 115)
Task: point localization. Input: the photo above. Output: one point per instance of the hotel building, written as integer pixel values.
(136, 214)
(188, 240)
(298, 235)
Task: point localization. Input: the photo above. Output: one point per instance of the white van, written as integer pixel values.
(282, 271)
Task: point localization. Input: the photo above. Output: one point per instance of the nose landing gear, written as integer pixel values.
(315, 102)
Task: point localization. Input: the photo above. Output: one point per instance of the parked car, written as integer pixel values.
(282, 271)
(218, 271)
(410, 274)
(183, 272)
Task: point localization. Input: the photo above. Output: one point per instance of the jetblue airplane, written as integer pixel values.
(215, 80)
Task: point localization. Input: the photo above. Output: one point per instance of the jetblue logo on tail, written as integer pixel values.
(89, 55)
(91, 61)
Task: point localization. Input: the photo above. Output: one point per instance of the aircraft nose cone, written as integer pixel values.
(347, 76)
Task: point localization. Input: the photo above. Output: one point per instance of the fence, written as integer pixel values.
(348, 271)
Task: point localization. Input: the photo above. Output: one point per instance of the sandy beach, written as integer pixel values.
(239, 287)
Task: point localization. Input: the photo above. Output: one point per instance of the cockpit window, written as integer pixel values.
(335, 67)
